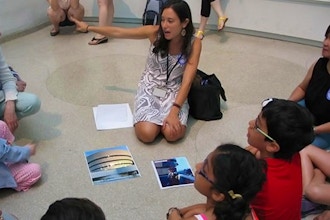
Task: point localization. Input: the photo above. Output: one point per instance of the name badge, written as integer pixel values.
(159, 92)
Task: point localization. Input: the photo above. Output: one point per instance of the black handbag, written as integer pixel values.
(204, 97)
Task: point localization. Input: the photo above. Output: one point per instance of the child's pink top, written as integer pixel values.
(201, 217)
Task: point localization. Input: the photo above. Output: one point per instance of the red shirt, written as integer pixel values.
(280, 197)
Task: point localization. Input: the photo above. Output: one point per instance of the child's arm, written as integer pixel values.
(14, 154)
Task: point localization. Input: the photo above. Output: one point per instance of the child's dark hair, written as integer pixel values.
(73, 209)
(183, 11)
(290, 125)
(239, 175)
(327, 32)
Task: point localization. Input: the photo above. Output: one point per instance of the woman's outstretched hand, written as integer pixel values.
(80, 25)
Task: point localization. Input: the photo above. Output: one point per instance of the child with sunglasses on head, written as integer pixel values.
(279, 132)
(229, 177)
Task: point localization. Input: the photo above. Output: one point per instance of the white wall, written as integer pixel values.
(306, 19)
(19, 15)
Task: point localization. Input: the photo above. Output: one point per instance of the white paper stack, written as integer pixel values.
(112, 116)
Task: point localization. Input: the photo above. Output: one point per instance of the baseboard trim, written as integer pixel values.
(18, 34)
(137, 22)
(286, 38)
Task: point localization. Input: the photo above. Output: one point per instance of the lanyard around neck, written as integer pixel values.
(168, 73)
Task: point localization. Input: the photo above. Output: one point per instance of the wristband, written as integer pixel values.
(176, 105)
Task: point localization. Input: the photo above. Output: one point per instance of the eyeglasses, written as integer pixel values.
(203, 174)
(262, 132)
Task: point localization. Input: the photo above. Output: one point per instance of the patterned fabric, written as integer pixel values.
(151, 108)
(25, 174)
(5, 133)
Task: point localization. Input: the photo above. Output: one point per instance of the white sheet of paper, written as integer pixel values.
(113, 116)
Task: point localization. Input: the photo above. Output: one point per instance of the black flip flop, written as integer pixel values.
(53, 34)
(99, 41)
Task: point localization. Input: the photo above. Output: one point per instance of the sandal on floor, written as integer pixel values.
(53, 33)
(222, 22)
(96, 41)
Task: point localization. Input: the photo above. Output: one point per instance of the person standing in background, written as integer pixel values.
(205, 14)
(106, 12)
(60, 13)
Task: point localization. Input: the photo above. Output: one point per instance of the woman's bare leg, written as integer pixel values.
(216, 6)
(76, 10)
(171, 135)
(106, 13)
(55, 14)
(146, 131)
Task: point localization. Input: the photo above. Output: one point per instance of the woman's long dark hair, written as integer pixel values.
(239, 173)
(182, 9)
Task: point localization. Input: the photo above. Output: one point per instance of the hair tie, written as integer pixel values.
(233, 195)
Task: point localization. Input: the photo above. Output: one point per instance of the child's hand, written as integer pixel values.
(21, 85)
(173, 214)
(254, 151)
(32, 147)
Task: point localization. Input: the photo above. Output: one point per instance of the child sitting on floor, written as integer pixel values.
(15, 171)
(229, 177)
(277, 135)
(73, 208)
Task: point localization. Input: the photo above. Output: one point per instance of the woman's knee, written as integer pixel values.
(174, 136)
(56, 16)
(78, 12)
(146, 132)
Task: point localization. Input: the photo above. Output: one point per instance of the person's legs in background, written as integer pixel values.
(205, 14)
(106, 13)
(76, 10)
(222, 19)
(56, 15)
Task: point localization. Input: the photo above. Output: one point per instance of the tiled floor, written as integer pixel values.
(71, 77)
